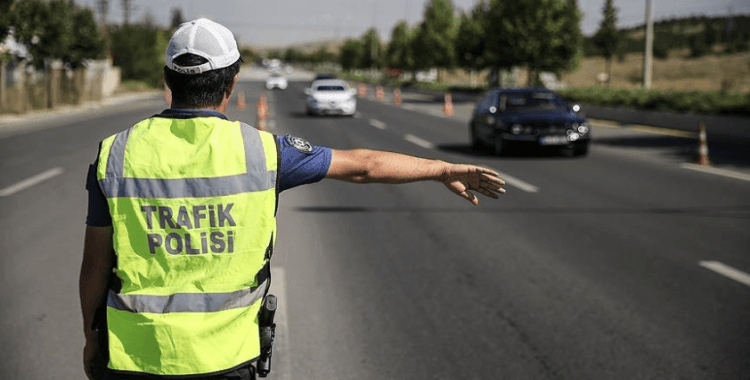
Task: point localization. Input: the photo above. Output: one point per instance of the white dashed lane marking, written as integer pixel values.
(377, 124)
(29, 182)
(727, 271)
(515, 182)
(419, 141)
(717, 171)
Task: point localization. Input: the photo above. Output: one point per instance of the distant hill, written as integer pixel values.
(702, 34)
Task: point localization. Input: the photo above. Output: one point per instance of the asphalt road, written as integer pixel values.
(588, 268)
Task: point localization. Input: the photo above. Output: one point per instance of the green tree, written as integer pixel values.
(45, 28)
(351, 54)
(542, 35)
(607, 38)
(470, 39)
(247, 54)
(433, 44)
(139, 52)
(569, 50)
(698, 46)
(399, 52)
(372, 51)
(738, 43)
(292, 54)
(5, 19)
(322, 55)
(88, 42)
(661, 49)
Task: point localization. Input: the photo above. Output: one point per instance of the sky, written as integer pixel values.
(284, 22)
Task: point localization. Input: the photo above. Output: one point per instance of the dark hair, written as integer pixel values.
(200, 90)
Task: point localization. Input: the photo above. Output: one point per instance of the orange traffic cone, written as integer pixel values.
(397, 97)
(241, 104)
(262, 113)
(448, 105)
(362, 90)
(379, 94)
(702, 146)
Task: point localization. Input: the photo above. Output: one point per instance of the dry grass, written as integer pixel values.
(676, 73)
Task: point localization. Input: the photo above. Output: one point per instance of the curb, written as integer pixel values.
(8, 121)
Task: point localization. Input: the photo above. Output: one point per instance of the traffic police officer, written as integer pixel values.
(181, 222)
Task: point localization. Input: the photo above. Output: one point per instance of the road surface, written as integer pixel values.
(624, 264)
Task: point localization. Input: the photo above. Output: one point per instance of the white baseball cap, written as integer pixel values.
(206, 39)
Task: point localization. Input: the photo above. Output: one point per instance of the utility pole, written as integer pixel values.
(374, 48)
(647, 56)
(103, 7)
(126, 12)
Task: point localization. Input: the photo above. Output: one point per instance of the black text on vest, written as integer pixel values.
(184, 219)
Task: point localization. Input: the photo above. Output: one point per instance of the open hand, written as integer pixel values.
(93, 362)
(462, 178)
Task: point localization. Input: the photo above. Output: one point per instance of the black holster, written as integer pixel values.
(267, 334)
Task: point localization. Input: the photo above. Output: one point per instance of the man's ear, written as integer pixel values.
(228, 92)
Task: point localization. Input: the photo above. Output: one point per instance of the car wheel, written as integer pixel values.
(581, 150)
(500, 145)
(476, 143)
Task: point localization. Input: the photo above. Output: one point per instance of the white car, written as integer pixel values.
(331, 97)
(276, 81)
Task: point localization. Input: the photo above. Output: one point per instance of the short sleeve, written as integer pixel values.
(301, 162)
(98, 212)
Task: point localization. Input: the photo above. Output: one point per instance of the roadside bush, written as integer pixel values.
(708, 103)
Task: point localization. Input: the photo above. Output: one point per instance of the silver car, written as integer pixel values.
(331, 97)
(276, 81)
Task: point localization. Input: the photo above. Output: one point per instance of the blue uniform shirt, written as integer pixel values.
(301, 163)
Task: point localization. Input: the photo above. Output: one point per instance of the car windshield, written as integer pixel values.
(532, 101)
(330, 88)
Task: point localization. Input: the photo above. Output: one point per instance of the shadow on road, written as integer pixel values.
(512, 152)
(734, 211)
(304, 115)
(735, 153)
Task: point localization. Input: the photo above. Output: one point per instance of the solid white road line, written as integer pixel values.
(377, 124)
(282, 362)
(515, 182)
(717, 171)
(25, 184)
(418, 141)
(727, 271)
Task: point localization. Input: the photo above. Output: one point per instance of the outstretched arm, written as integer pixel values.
(372, 166)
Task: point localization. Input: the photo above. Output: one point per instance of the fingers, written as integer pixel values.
(469, 197)
(492, 178)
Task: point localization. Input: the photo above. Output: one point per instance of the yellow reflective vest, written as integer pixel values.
(193, 205)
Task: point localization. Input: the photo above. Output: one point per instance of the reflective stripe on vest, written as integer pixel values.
(186, 302)
(255, 179)
(193, 219)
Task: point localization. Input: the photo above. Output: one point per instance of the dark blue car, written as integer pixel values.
(531, 116)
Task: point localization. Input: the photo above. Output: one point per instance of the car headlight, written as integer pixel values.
(313, 100)
(516, 128)
(583, 128)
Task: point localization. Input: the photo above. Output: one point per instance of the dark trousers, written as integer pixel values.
(243, 373)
